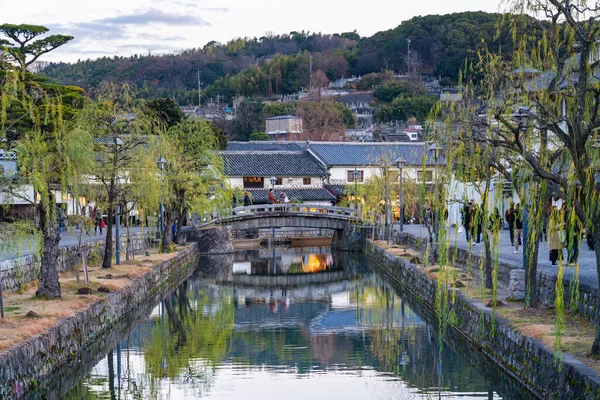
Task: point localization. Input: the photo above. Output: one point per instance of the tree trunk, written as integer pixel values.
(49, 286)
(531, 295)
(167, 239)
(108, 249)
(487, 266)
(596, 234)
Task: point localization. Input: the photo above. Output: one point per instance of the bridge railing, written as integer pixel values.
(348, 213)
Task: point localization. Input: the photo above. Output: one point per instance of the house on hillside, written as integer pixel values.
(285, 127)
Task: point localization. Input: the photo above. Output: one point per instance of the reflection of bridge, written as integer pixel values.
(349, 234)
(287, 281)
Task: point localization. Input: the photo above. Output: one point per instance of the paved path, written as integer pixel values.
(70, 238)
(587, 258)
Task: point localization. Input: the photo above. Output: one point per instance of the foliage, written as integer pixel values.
(403, 108)
(191, 180)
(166, 109)
(541, 119)
(53, 155)
(259, 136)
(279, 64)
(125, 169)
(388, 91)
(22, 50)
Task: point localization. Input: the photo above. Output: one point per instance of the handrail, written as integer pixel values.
(267, 209)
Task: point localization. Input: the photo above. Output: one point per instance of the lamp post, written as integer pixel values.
(161, 165)
(117, 225)
(388, 216)
(355, 175)
(273, 181)
(401, 163)
(436, 152)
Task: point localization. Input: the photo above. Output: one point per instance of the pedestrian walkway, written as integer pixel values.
(69, 238)
(587, 258)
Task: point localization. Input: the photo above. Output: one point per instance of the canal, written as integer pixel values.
(297, 323)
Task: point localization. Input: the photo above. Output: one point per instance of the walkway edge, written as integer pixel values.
(29, 363)
(527, 359)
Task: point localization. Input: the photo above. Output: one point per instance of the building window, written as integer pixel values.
(306, 181)
(253, 182)
(428, 176)
(350, 176)
(279, 181)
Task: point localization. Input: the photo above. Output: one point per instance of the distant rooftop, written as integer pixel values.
(265, 145)
(271, 163)
(370, 154)
(283, 117)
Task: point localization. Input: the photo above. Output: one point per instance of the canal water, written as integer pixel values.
(298, 323)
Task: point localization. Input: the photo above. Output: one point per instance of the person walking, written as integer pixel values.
(572, 235)
(509, 217)
(555, 231)
(477, 223)
(246, 199)
(518, 218)
(97, 215)
(271, 197)
(466, 219)
(234, 203)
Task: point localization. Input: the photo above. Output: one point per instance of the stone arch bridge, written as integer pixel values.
(349, 229)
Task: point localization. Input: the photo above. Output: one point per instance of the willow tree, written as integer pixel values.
(541, 113)
(191, 179)
(124, 137)
(52, 154)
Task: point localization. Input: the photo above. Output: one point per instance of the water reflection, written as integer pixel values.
(346, 335)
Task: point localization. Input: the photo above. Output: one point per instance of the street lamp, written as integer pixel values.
(161, 165)
(273, 181)
(401, 163)
(355, 175)
(436, 151)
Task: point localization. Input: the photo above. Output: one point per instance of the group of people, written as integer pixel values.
(283, 199)
(559, 229)
(473, 218)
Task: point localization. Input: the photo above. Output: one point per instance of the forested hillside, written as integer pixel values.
(279, 64)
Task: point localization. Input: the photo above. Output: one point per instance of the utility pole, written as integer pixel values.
(199, 89)
(310, 72)
(408, 55)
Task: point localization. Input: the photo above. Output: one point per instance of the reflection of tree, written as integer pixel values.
(190, 339)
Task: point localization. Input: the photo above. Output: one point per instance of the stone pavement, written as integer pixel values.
(587, 258)
(69, 238)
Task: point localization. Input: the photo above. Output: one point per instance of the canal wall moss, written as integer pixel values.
(19, 271)
(26, 365)
(524, 358)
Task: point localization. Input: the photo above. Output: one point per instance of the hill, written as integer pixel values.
(279, 64)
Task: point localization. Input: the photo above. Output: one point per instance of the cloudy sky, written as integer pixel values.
(126, 27)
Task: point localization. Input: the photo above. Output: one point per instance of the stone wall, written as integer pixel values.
(15, 273)
(36, 360)
(588, 301)
(526, 359)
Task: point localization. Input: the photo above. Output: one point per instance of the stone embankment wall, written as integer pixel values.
(526, 359)
(587, 301)
(15, 273)
(36, 359)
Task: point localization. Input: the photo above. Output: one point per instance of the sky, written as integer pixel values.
(127, 27)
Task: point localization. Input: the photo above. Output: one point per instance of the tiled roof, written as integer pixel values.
(271, 163)
(313, 194)
(283, 117)
(265, 145)
(338, 190)
(363, 154)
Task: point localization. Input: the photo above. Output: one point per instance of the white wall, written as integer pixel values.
(339, 174)
(294, 181)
